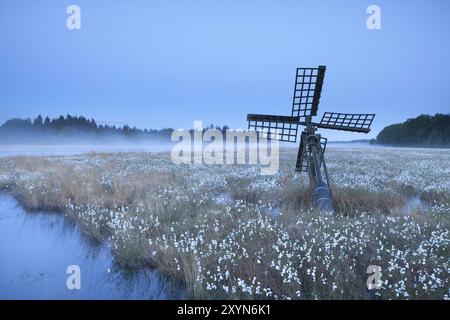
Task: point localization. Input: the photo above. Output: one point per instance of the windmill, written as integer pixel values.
(311, 151)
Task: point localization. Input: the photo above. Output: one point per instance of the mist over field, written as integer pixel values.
(76, 137)
(11, 150)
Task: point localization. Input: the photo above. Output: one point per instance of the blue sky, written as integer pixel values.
(157, 64)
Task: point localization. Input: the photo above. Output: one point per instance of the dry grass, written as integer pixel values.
(353, 201)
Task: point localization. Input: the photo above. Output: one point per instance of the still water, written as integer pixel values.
(36, 248)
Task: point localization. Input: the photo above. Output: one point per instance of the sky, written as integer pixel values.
(154, 64)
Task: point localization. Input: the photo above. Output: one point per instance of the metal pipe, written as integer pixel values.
(321, 191)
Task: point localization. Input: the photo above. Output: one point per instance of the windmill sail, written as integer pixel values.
(283, 128)
(307, 91)
(346, 121)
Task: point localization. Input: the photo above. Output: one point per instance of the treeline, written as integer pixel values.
(423, 131)
(70, 124)
(77, 129)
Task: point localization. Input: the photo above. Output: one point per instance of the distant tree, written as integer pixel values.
(38, 122)
(126, 129)
(423, 131)
(17, 124)
(92, 124)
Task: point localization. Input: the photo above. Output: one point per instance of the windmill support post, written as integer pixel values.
(321, 192)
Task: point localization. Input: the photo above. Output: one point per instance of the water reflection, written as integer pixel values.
(36, 249)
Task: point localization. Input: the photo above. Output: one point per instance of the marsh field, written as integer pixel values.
(228, 232)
